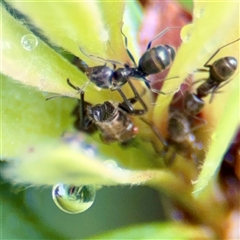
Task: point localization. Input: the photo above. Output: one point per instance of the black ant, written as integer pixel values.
(104, 77)
(112, 120)
(220, 73)
(180, 135)
(153, 61)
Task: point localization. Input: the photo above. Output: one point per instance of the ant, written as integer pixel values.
(180, 135)
(220, 72)
(153, 61)
(110, 119)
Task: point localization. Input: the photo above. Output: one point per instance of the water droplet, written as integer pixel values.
(73, 199)
(104, 35)
(22, 21)
(186, 33)
(29, 42)
(111, 163)
(198, 13)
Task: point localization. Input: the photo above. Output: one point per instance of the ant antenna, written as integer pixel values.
(164, 93)
(100, 59)
(79, 90)
(160, 35)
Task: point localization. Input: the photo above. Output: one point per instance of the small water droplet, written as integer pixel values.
(104, 35)
(112, 164)
(186, 33)
(198, 13)
(29, 42)
(22, 21)
(73, 199)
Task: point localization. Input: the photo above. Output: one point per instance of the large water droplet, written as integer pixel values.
(73, 199)
(29, 42)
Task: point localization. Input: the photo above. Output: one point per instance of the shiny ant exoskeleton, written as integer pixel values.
(153, 61)
(104, 77)
(220, 73)
(112, 120)
(180, 135)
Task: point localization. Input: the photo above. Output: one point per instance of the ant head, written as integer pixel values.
(101, 112)
(101, 76)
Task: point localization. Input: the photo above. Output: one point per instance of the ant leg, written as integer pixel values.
(126, 105)
(203, 122)
(137, 96)
(201, 70)
(160, 92)
(156, 132)
(215, 90)
(206, 64)
(160, 34)
(126, 47)
(72, 86)
(199, 80)
(75, 87)
(85, 122)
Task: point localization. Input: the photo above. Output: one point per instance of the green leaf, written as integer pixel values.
(159, 231)
(27, 117)
(70, 160)
(226, 123)
(40, 66)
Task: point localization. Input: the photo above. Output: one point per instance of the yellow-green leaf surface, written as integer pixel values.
(41, 66)
(94, 26)
(72, 161)
(200, 41)
(27, 117)
(159, 231)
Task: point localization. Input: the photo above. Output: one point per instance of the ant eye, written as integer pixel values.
(73, 199)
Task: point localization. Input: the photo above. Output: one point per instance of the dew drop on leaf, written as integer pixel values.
(73, 199)
(198, 13)
(29, 42)
(186, 33)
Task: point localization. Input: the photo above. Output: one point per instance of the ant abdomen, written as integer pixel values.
(223, 68)
(156, 59)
